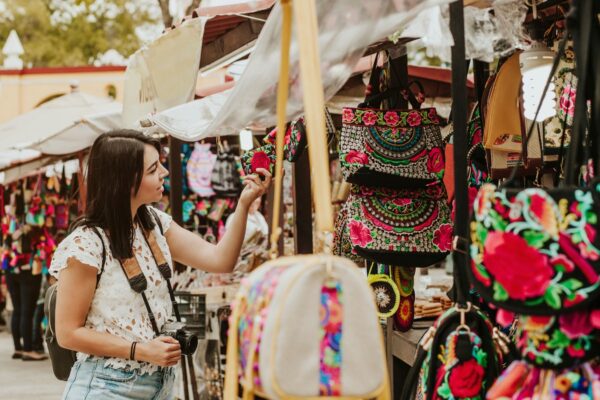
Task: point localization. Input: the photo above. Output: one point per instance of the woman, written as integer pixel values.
(119, 354)
(24, 279)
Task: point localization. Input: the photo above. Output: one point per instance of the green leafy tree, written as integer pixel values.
(77, 32)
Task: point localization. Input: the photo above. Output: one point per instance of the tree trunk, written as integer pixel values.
(166, 15)
(195, 4)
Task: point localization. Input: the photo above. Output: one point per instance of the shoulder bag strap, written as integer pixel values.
(96, 230)
(157, 220)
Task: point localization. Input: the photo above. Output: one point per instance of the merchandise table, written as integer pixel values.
(401, 348)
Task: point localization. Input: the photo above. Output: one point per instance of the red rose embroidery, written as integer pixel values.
(270, 138)
(356, 157)
(519, 268)
(595, 319)
(414, 118)
(401, 202)
(562, 260)
(359, 234)
(435, 161)
(575, 324)
(567, 100)
(369, 118)
(347, 115)
(465, 379)
(575, 352)
(260, 159)
(432, 115)
(391, 118)
(504, 318)
(442, 237)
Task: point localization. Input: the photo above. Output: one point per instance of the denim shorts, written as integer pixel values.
(90, 379)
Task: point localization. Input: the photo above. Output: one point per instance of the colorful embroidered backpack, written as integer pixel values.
(456, 359)
(299, 324)
(199, 169)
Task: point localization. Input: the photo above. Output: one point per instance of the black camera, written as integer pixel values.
(187, 340)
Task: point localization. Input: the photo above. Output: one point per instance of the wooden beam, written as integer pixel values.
(244, 33)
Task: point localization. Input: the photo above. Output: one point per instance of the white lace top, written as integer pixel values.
(116, 308)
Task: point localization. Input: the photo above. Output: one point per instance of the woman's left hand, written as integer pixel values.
(254, 187)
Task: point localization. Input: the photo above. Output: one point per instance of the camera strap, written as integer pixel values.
(138, 282)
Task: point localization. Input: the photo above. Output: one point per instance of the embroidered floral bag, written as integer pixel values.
(391, 148)
(409, 227)
(261, 157)
(537, 251)
(456, 359)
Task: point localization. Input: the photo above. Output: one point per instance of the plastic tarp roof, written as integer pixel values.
(346, 29)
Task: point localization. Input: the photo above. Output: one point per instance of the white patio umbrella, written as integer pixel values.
(64, 125)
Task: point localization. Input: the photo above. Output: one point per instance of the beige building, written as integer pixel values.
(22, 90)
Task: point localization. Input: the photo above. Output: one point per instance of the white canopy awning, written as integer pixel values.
(163, 74)
(64, 125)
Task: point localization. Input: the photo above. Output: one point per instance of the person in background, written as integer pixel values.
(24, 279)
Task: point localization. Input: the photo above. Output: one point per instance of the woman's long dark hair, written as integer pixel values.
(115, 169)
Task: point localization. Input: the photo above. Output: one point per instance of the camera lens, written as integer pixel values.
(188, 342)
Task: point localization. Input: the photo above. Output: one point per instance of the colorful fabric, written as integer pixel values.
(565, 84)
(342, 245)
(330, 359)
(407, 227)
(523, 381)
(391, 148)
(559, 341)
(405, 315)
(294, 140)
(254, 312)
(199, 170)
(554, 234)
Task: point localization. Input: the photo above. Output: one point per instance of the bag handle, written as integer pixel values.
(314, 103)
(374, 97)
(282, 97)
(580, 22)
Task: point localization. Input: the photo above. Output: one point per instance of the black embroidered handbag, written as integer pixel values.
(391, 147)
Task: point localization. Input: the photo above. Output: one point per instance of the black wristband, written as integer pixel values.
(132, 351)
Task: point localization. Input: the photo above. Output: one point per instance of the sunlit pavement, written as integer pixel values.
(25, 380)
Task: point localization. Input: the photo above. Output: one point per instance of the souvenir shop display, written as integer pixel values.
(397, 212)
(263, 346)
